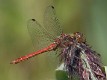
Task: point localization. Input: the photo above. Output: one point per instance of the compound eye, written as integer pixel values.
(79, 37)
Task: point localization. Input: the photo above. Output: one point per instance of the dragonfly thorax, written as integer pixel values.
(66, 40)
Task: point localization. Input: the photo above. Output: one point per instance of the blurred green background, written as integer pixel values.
(86, 16)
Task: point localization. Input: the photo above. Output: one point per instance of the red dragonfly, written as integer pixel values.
(72, 47)
(41, 36)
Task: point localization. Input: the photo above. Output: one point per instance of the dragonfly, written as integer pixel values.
(73, 47)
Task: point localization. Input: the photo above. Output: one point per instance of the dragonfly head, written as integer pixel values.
(79, 37)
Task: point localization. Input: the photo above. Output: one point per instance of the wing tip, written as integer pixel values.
(33, 19)
(52, 7)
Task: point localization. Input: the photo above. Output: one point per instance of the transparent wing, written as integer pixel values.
(51, 22)
(39, 36)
